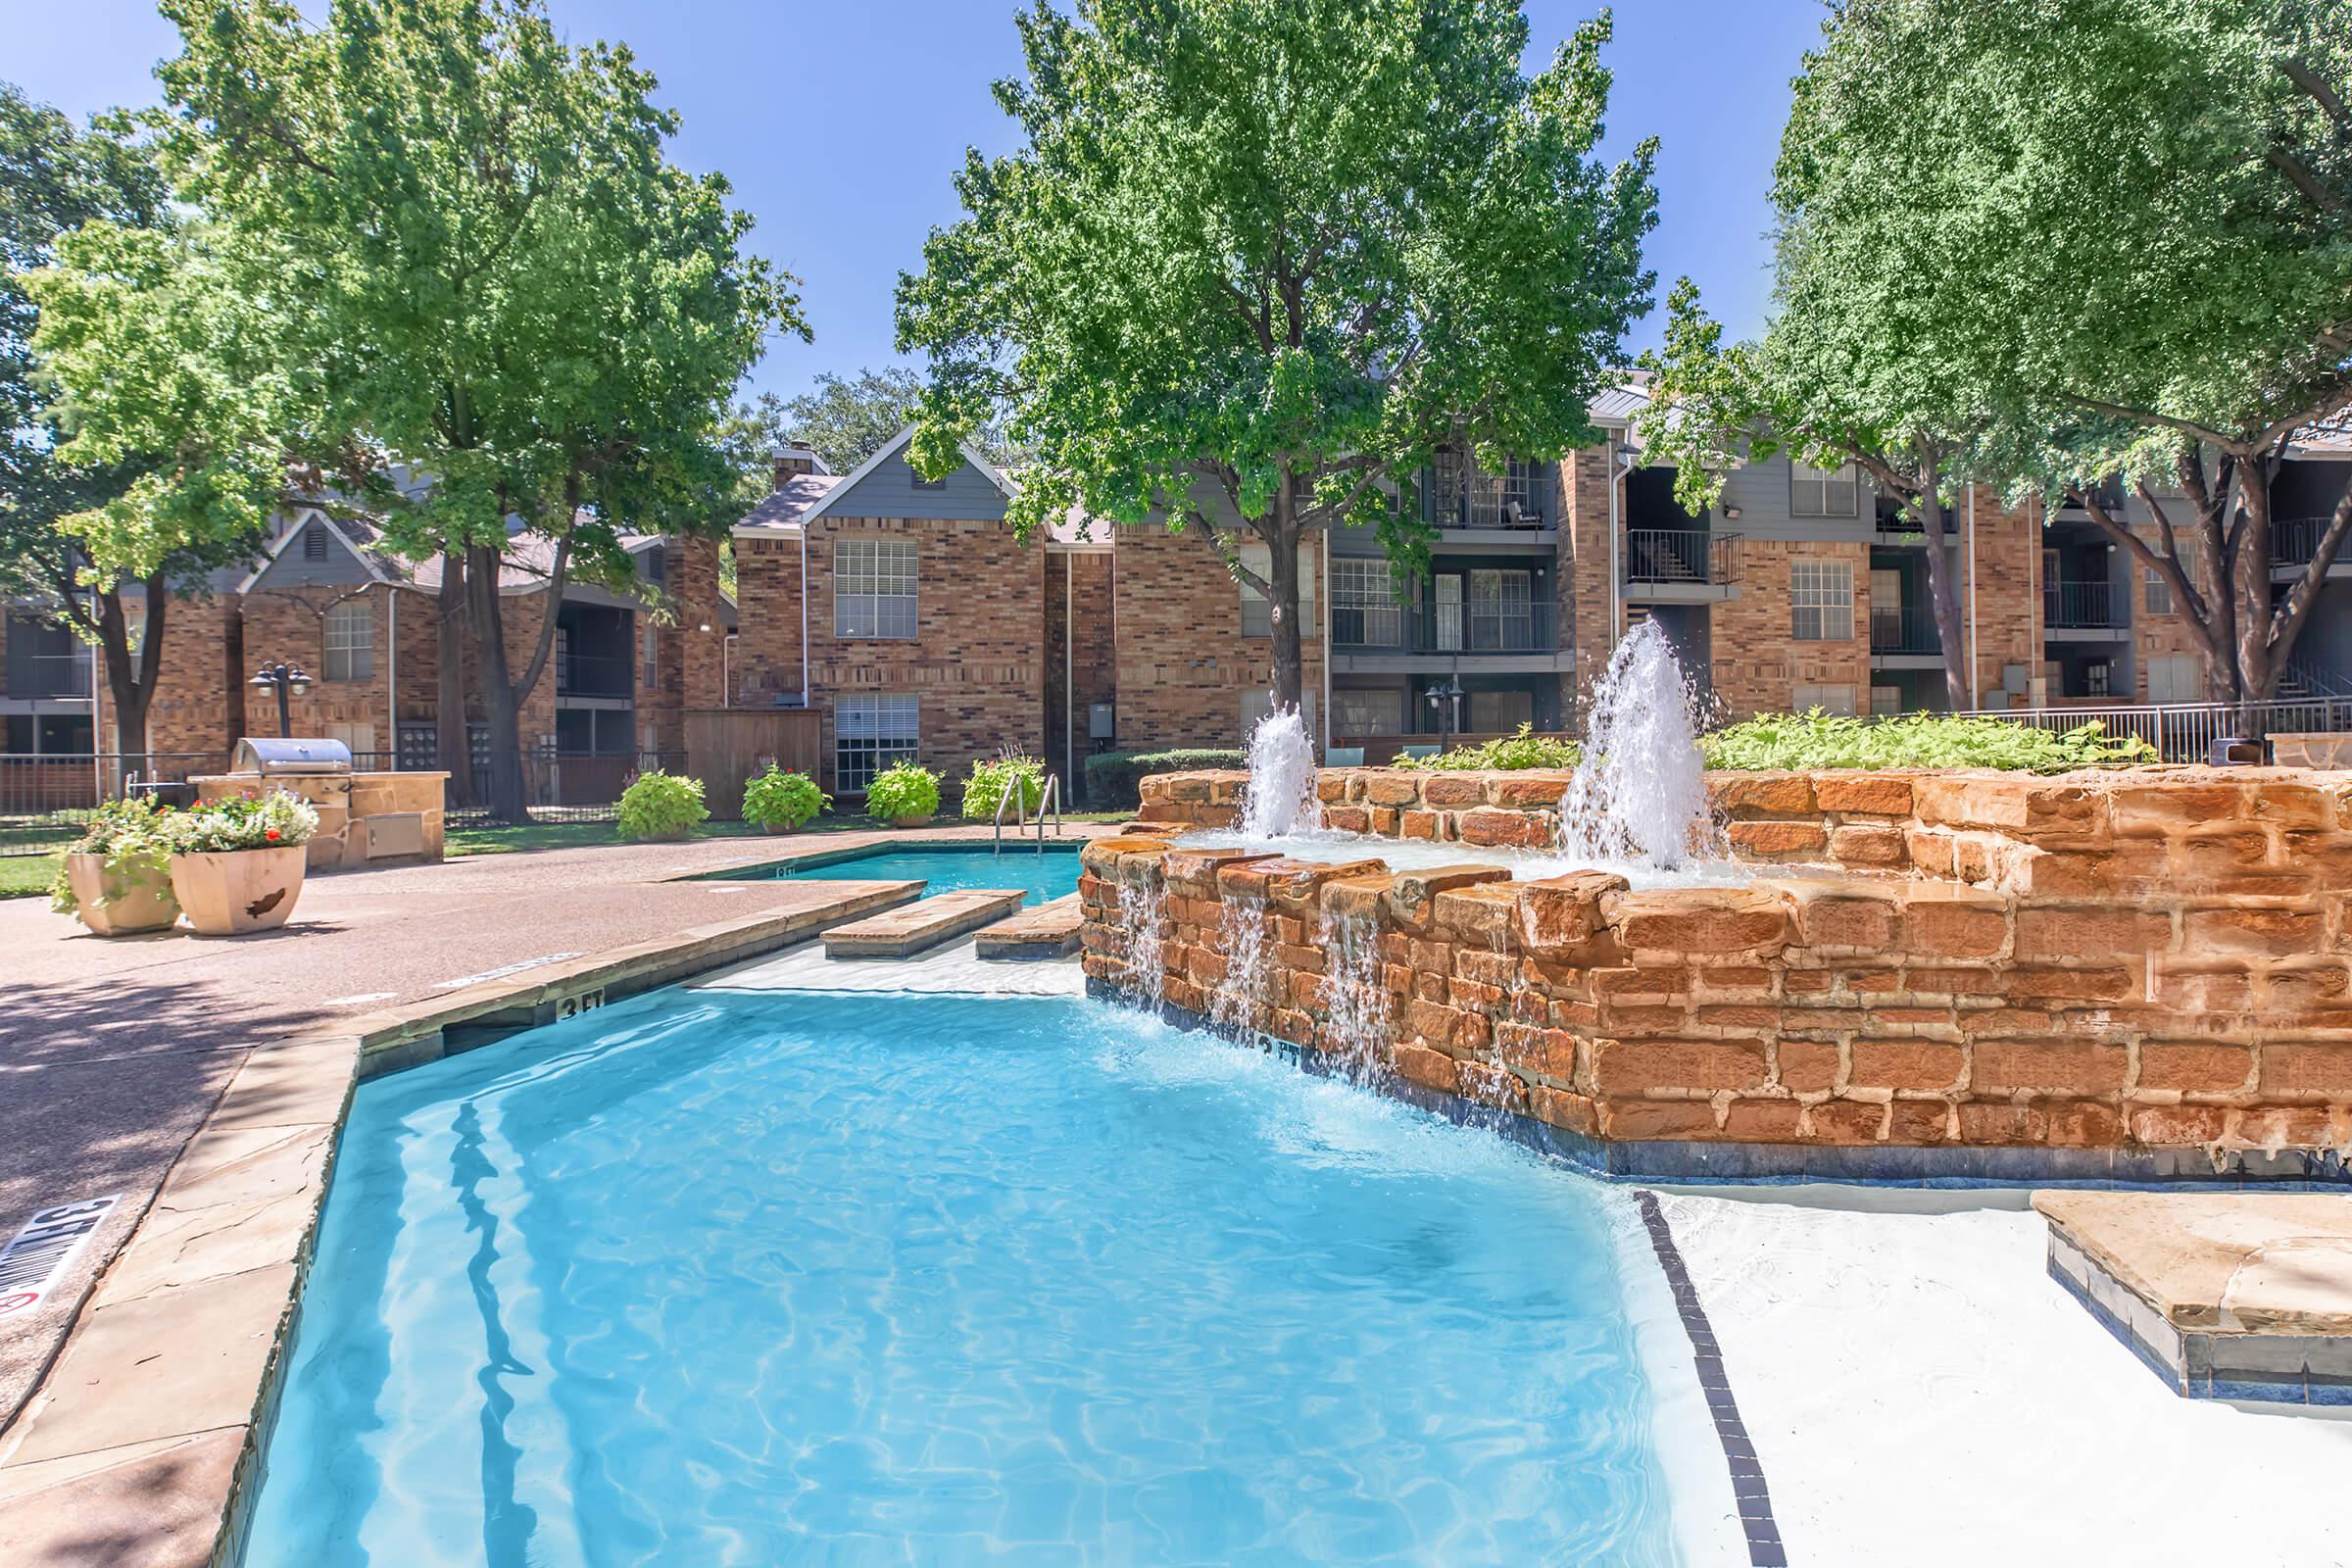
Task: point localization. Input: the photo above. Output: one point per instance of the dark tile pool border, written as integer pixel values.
(1756, 1523)
(1795, 1164)
(783, 863)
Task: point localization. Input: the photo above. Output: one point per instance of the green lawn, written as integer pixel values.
(23, 876)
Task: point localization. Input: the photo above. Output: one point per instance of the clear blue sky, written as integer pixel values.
(841, 125)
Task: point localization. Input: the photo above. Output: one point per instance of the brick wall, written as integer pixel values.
(199, 702)
(1584, 577)
(291, 624)
(1183, 664)
(977, 661)
(767, 620)
(1757, 663)
(2181, 1020)
(688, 657)
(2008, 543)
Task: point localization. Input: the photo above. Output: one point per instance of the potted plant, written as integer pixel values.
(780, 802)
(238, 864)
(118, 878)
(986, 789)
(903, 795)
(661, 806)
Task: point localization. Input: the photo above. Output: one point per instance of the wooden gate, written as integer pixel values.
(727, 746)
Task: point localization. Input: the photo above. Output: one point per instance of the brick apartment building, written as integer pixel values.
(905, 614)
(363, 623)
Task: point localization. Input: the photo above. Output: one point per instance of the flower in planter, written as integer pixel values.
(134, 836)
(276, 820)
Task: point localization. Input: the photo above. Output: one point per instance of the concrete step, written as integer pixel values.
(1048, 931)
(904, 932)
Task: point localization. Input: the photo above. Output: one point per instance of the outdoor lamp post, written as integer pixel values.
(282, 678)
(1447, 702)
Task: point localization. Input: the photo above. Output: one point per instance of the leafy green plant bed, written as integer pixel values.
(902, 791)
(1917, 740)
(985, 790)
(1525, 749)
(778, 799)
(658, 804)
(1111, 776)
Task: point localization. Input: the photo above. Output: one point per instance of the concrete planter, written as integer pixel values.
(674, 834)
(779, 827)
(923, 820)
(119, 904)
(230, 893)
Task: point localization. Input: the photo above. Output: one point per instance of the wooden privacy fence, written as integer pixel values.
(727, 746)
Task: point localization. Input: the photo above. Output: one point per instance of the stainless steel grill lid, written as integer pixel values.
(292, 756)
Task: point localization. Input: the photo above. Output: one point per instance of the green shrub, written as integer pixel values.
(658, 802)
(986, 787)
(777, 799)
(1917, 740)
(1527, 749)
(1111, 776)
(903, 790)
(136, 837)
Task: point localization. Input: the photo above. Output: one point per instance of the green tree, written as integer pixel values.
(845, 420)
(152, 416)
(1257, 259)
(2116, 232)
(525, 301)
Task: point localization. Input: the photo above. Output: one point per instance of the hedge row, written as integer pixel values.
(1111, 776)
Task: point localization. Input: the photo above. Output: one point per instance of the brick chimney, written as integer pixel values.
(790, 462)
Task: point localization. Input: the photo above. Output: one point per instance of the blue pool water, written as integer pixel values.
(947, 868)
(727, 1278)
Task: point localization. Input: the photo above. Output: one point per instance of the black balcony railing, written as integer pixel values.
(2295, 540)
(1694, 555)
(2081, 606)
(1904, 629)
(50, 675)
(1469, 629)
(595, 675)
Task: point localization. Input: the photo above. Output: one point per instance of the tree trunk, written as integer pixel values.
(451, 740)
(2258, 663)
(1282, 575)
(1943, 595)
(500, 711)
(132, 685)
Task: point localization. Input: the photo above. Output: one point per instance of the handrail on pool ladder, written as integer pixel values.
(1017, 799)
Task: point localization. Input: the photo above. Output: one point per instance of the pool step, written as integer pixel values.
(1048, 931)
(912, 928)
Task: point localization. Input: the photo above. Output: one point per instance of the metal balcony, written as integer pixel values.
(1696, 556)
(1466, 630)
(1904, 629)
(2080, 606)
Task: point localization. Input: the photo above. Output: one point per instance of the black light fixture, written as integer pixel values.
(1447, 702)
(284, 678)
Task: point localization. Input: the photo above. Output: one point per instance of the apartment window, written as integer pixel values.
(649, 658)
(1373, 712)
(1257, 616)
(1886, 700)
(1501, 713)
(2176, 678)
(2098, 678)
(874, 588)
(1503, 610)
(351, 640)
(2159, 592)
(1820, 598)
(1364, 612)
(1824, 492)
(870, 733)
(1829, 699)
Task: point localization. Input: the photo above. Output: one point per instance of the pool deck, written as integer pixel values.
(216, 1072)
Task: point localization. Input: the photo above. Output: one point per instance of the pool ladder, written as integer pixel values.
(1048, 799)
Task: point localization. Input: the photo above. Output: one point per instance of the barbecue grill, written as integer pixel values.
(291, 759)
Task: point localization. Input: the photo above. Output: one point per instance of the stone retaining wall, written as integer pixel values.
(2147, 980)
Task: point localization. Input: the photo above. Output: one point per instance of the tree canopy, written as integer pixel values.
(1257, 259)
(2105, 239)
(522, 298)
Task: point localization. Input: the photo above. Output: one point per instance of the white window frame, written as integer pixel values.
(871, 731)
(1824, 492)
(349, 635)
(1820, 601)
(875, 589)
(1835, 697)
(1364, 612)
(2158, 593)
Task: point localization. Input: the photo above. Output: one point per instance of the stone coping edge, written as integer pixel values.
(158, 1403)
(2306, 1369)
(1695, 1163)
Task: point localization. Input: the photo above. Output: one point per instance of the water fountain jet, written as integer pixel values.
(1639, 791)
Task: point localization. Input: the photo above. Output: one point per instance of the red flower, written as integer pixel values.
(271, 835)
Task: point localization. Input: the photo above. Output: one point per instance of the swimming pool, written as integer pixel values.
(946, 866)
(723, 1277)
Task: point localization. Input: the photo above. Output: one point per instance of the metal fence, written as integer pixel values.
(2185, 732)
(45, 800)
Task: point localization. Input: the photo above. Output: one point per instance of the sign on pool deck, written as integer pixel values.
(36, 1256)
